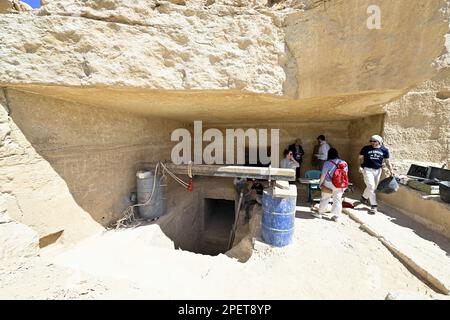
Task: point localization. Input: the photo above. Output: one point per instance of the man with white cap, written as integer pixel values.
(371, 160)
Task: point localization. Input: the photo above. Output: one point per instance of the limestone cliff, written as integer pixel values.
(143, 44)
(90, 89)
(13, 6)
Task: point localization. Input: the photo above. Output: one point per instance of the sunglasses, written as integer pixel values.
(373, 141)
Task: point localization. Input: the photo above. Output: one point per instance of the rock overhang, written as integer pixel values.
(219, 60)
(219, 106)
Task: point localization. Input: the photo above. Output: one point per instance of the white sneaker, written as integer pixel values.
(336, 219)
(316, 215)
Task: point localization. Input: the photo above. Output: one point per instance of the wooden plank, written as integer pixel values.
(262, 173)
(282, 184)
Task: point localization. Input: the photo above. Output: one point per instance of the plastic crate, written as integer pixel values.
(418, 171)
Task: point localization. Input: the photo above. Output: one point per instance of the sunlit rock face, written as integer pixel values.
(90, 89)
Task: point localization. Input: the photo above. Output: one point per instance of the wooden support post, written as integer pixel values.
(236, 219)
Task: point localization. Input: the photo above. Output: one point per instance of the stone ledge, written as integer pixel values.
(430, 211)
(429, 261)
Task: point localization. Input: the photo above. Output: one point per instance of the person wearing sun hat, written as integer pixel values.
(371, 160)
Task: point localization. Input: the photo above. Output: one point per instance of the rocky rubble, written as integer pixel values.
(13, 6)
(17, 240)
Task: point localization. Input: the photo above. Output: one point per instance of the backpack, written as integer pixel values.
(340, 176)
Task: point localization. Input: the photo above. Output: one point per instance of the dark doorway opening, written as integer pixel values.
(218, 219)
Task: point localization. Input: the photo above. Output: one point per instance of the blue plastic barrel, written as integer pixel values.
(277, 228)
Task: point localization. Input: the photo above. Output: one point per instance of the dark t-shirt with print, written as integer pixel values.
(297, 151)
(373, 157)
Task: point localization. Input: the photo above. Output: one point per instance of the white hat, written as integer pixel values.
(377, 138)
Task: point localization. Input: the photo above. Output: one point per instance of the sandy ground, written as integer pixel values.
(327, 260)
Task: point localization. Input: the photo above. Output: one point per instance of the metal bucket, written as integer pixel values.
(156, 205)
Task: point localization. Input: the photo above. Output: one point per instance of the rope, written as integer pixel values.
(190, 169)
(190, 186)
(184, 184)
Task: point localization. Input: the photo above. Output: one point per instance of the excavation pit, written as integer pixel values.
(201, 221)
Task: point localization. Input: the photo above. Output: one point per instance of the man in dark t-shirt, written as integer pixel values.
(371, 159)
(374, 157)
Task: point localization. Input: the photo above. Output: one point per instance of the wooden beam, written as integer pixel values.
(262, 173)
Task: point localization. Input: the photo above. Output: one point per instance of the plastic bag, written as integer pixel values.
(388, 185)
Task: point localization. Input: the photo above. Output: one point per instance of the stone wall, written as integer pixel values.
(141, 44)
(417, 126)
(336, 133)
(336, 53)
(31, 190)
(62, 159)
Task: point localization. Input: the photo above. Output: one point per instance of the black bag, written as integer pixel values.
(388, 185)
